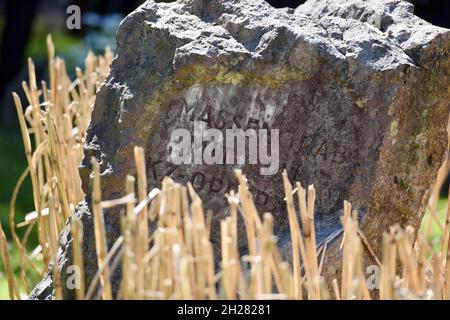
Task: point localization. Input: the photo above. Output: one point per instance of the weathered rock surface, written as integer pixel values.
(359, 91)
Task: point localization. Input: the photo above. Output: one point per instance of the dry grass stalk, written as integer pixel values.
(4, 254)
(296, 238)
(77, 247)
(53, 127)
(353, 284)
(100, 233)
(142, 220)
(388, 267)
(310, 259)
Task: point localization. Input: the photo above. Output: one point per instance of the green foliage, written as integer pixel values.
(32, 277)
(12, 165)
(37, 46)
(435, 233)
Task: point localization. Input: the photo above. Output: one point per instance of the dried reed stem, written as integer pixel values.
(100, 232)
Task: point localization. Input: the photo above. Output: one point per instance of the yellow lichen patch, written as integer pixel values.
(394, 130)
(361, 102)
(192, 75)
(421, 140)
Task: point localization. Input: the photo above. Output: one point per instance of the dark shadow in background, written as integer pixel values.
(18, 18)
(18, 21)
(435, 11)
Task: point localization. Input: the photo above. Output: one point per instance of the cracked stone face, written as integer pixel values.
(358, 91)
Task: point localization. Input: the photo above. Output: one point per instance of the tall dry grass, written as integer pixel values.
(176, 261)
(53, 127)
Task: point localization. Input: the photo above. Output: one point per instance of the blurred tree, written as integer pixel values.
(19, 16)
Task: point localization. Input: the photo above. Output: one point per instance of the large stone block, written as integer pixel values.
(358, 91)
